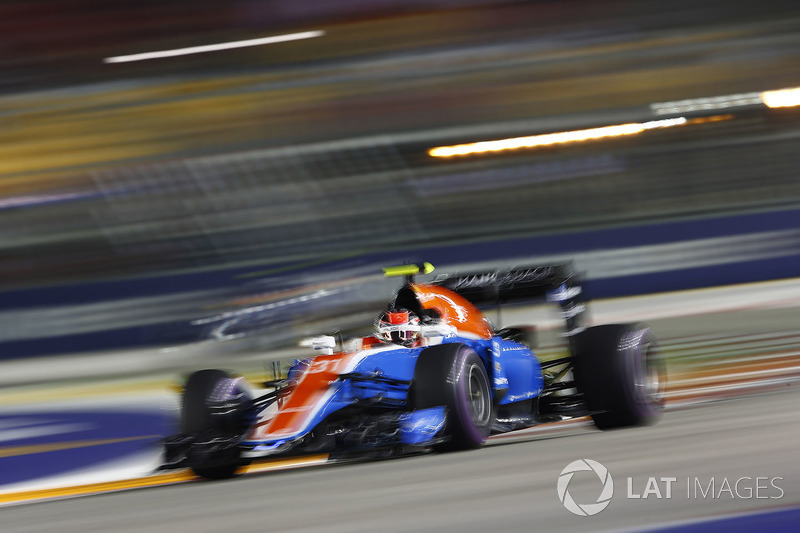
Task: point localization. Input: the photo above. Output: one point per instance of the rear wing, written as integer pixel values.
(552, 283)
(517, 285)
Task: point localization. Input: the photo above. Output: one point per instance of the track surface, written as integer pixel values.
(511, 484)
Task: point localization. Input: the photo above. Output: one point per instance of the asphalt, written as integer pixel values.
(505, 486)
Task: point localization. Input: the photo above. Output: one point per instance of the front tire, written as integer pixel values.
(201, 388)
(621, 373)
(454, 376)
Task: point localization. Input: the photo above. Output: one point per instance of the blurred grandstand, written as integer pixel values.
(318, 149)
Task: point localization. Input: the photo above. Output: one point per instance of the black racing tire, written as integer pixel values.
(621, 373)
(201, 387)
(454, 376)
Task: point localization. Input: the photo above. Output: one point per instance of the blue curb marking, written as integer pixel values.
(77, 426)
(776, 520)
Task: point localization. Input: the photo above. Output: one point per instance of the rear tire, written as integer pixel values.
(196, 418)
(454, 376)
(621, 374)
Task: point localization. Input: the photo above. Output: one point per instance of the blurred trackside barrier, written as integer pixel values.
(274, 308)
(380, 194)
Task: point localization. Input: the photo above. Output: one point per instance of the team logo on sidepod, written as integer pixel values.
(586, 509)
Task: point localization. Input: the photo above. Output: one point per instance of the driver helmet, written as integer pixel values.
(398, 326)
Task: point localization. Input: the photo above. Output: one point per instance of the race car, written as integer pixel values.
(435, 375)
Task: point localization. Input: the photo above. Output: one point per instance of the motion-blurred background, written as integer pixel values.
(141, 197)
(199, 184)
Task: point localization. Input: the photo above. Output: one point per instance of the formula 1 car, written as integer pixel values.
(436, 376)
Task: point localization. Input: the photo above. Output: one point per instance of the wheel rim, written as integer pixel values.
(479, 406)
(654, 381)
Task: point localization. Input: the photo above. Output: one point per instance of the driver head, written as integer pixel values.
(398, 326)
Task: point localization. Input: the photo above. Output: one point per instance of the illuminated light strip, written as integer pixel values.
(713, 118)
(150, 481)
(215, 47)
(706, 104)
(781, 98)
(789, 97)
(548, 139)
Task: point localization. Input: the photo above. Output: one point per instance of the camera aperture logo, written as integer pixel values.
(585, 509)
